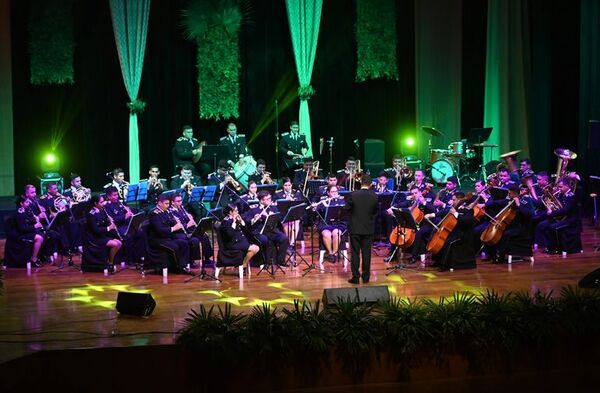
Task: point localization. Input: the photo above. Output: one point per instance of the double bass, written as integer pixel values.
(445, 228)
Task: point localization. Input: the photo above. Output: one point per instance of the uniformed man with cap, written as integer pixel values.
(293, 148)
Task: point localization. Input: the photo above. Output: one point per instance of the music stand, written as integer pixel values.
(293, 211)
(405, 220)
(61, 218)
(216, 153)
(498, 193)
(134, 223)
(203, 226)
(271, 188)
(132, 191)
(142, 193)
(269, 266)
(337, 214)
(314, 185)
(384, 202)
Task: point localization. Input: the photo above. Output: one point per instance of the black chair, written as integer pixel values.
(158, 257)
(94, 257)
(227, 258)
(568, 238)
(17, 251)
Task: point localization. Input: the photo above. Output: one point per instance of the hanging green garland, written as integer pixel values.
(376, 40)
(51, 42)
(214, 26)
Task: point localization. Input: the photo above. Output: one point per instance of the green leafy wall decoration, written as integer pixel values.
(376, 40)
(51, 42)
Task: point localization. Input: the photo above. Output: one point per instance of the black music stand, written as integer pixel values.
(271, 188)
(203, 226)
(337, 214)
(60, 219)
(384, 202)
(294, 210)
(404, 219)
(215, 153)
(313, 186)
(269, 266)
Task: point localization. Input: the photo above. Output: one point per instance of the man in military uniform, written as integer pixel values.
(292, 148)
(344, 175)
(184, 183)
(445, 195)
(398, 172)
(121, 215)
(419, 181)
(236, 144)
(156, 186)
(119, 183)
(228, 188)
(77, 193)
(188, 150)
(307, 168)
(162, 231)
(261, 176)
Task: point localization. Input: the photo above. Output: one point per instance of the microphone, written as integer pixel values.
(356, 143)
(108, 174)
(321, 141)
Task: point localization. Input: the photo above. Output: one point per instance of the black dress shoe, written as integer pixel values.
(550, 251)
(365, 280)
(111, 268)
(353, 281)
(284, 264)
(331, 258)
(36, 263)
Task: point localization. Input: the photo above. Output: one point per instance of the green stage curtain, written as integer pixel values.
(589, 74)
(130, 24)
(438, 72)
(507, 65)
(304, 18)
(7, 170)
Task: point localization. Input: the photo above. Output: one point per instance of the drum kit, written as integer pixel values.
(460, 159)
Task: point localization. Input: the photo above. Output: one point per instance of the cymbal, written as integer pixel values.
(485, 145)
(432, 131)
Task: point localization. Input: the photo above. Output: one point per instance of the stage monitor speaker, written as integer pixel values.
(367, 295)
(591, 280)
(139, 304)
(374, 156)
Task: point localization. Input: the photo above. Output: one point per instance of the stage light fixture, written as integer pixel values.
(410, 142)
(50, 166)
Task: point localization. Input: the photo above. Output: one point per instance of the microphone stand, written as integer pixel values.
(330, 143)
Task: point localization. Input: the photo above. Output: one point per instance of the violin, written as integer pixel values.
(445, 228)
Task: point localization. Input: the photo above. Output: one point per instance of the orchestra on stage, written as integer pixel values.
(220, 197)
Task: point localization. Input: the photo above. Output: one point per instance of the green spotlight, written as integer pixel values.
(410, 142)
(50, 158)
(50, 164)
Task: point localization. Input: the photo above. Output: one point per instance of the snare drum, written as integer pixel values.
(437, 154)
(441, 170)
(456, 148)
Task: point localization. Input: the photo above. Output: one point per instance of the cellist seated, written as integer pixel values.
(514, 236)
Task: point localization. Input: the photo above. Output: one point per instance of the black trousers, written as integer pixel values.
(361, 245)
(274, 244)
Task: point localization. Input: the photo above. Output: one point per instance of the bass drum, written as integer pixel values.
(242, 169)
(441, 170)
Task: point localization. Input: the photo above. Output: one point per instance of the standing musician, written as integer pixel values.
(119, 183)
(163, 230)
(229, 187)
(362, 206)
(188, 151)
(121, 216)
(292, 228)
(293, 148)
(272, 240)
(344, 175)
(261, 176)
(103, 230)
(236, 143)
(77, 193)
(399, 172)
(30, 228)
(444, 196)
(156, 186)
(565, 218)
(185, 182)
(232, 232)
(419, 181)
(331, 232)
(200, 247)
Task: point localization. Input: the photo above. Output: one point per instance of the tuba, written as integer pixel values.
(527, 181)
(564, 156)
(510, 160)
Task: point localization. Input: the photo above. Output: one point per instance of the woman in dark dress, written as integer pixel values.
(103, 233)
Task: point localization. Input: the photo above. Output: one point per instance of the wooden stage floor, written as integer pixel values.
(68, 309)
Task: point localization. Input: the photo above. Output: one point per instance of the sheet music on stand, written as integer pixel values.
(293, 212)
(399, 197)
(58, 220)
(80, 210)
(334, 214)
(134, 222)
(142, 193)
(197, 194)
(271, 222)
(314, 185)
(284, 205)
(132, 190)
(271, 188)
(205, 224)
(385, 199)
(209, 193)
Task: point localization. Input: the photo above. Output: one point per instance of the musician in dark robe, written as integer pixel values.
(332, 232)
(103, 232)
(233, 231)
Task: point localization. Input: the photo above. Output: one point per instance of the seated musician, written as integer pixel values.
(321, 193)
(261, 176)
(184, 183)
(383, 220)
(562, 216)
(103, 230)
(293, 148)
(504, 178)
(77, 193)
(53, 203)
(200, 246)
(121, 215)
(119, 183)
(53, 238)
(444, 196)
(346, 175)
(398, 173)
(463, 230)
(300, 174)
(248, 200)
(525, 169)
(485, 203)
(30, 228)
(540, 213)
(292, 228)
(162, 231)
(232, 233)
(272, 239)
(228, 187)
(382, 183)
(331, 233)
(517, 233)
(419, 181)
(156, 186)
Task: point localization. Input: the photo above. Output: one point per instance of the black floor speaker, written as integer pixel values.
(591, 280)
(139, 304)
(367, 295)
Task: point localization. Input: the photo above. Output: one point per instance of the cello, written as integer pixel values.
(405, 237)
(445, 228)
(493, 233)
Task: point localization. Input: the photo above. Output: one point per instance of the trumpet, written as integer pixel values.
(236, 185)
(266, 178)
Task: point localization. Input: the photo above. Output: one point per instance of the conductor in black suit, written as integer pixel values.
(362, 207)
